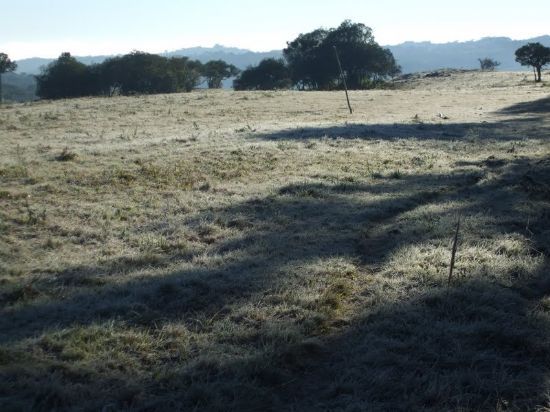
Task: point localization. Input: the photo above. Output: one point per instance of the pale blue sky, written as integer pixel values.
(46, 28)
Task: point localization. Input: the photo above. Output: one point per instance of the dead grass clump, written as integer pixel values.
(333, 298)
(66, 155)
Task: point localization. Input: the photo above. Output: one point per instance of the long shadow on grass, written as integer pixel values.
(501, 131)
(300, 224)
(530, 120)
(537, 107)
(483, 344)
(478, 346)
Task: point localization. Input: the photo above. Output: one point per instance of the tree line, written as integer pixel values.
(133, 73)
(308, 63)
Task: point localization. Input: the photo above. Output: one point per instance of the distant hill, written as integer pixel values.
(241, 58)
(425, 56)
(412, 56)
(34, 64)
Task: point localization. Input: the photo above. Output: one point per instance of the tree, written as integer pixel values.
(302, 55)
(6, 65)
(139, 73)
(145, 73)
(270, 74)
(363, 60)
(488, 65)
(216, 71)
(66, 77)
(188, 73)
(134, 73)
(535, 55)
(313, 65)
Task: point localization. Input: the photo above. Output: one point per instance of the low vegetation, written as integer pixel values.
(488, 65)
(245, 251)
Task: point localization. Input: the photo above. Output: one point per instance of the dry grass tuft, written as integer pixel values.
(66, 155)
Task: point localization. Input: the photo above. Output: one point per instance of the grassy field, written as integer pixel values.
(248, 251)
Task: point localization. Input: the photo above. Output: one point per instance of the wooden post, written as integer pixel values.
(343, 79)
(453, 253)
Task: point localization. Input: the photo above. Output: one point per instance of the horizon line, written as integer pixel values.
(220, 45)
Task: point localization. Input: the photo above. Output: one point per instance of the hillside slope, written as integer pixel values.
(416, 57)
(247, 251)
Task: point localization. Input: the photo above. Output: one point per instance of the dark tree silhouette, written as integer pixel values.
(304, 61)
(188, 73)
(313, 66)
(270, 74)
(216, 71)
(134, 73)
(6, 65)
(488, 65)
(144, 73)
(535, 55)
(138, 73)
(65, 77)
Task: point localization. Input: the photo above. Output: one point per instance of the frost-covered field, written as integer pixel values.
(268, 251)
